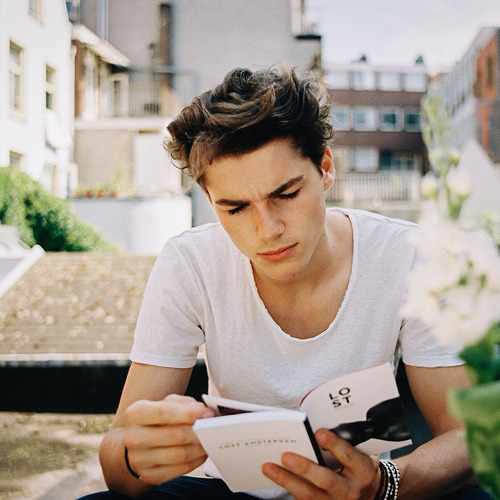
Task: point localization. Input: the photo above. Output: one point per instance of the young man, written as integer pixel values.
(284, 294)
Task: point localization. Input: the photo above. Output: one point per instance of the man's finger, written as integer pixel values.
(165, 412)
(343, 451)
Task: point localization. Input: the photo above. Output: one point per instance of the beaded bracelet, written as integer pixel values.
(389, 481)
(127, 463)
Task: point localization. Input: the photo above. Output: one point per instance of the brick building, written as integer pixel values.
(378, 148)
(487, 95)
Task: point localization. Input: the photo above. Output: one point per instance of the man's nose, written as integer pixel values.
(268, 223)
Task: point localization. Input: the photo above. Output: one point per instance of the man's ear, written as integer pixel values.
(328, 169)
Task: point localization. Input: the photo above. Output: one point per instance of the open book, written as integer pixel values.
(363, 407)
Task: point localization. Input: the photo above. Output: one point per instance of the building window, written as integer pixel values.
(389, 81)
(50, 87)
(119, 99)
(363, 80)
(337, 80)
(35, 8)
(342, 159)
(412, 120)
(16, 78)
(490, 71)
(389, 119)
(478, 85)
(365, 159)
(91, 76)
(397, 160)
(364, 118)
(15, 160)
(341, 118)
(415, 82)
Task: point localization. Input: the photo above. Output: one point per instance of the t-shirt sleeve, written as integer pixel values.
(169, 328)
(420, 347)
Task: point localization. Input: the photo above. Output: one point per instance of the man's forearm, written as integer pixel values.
(436, 468)
(117, 476)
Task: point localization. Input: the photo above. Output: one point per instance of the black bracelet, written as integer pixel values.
(381, 487)
(127, 463)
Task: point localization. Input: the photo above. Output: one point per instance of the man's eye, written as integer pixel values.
(236, 210)
(289, 196)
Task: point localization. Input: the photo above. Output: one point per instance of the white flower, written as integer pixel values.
(453, 156)
(439, 159)
(429, 186)
(458, 183)
(455, 286)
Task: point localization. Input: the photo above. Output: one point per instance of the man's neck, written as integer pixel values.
(332, 255)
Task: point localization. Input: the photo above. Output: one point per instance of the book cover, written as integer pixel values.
(363, 407)
(238, 444)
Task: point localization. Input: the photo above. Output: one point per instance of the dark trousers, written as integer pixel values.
(194, 488)
(184, 487)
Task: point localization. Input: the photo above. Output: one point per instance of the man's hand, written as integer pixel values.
(358, 476)
(159, 438)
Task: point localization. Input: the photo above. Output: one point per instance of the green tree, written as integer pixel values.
(44, 219)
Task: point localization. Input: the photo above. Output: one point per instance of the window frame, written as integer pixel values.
(342, 157)
(398, 124)
(410, 86)
(35, 9)
(341, 124)
(363, 80)
(50, 87)
(415, 112)
(373, 152)
(382, 83)
(369, 111)
(333, 78)
(16, 81)
(19, 160)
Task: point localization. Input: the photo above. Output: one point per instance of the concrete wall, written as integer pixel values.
(131, 149)
(136, 225)
(213, 36)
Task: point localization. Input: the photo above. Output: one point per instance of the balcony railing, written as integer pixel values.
(142, 102)
(377, 186)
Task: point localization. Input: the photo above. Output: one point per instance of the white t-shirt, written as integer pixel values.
(202, 290)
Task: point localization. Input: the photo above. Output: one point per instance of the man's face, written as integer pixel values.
(270, 202)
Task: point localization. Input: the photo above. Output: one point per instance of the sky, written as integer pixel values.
(396, 32)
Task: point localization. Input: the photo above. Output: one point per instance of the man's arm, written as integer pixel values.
(442, 464)
(432, 470)
(154, 422)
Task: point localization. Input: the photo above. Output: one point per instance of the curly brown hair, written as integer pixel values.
(247, 110)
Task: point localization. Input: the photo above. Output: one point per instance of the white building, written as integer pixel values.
(36, 91)
(456, 91)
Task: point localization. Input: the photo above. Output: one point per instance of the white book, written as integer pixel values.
(362, 407)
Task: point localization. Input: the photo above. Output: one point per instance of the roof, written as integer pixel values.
(101, 47)
(73, 308)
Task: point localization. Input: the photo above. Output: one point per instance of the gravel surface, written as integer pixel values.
(50, 456)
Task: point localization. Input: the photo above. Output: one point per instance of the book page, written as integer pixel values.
(223, 406)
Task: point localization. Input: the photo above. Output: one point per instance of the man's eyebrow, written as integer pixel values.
(273, 194)
(285, 186)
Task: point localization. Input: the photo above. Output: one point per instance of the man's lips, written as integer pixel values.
(279, 254)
